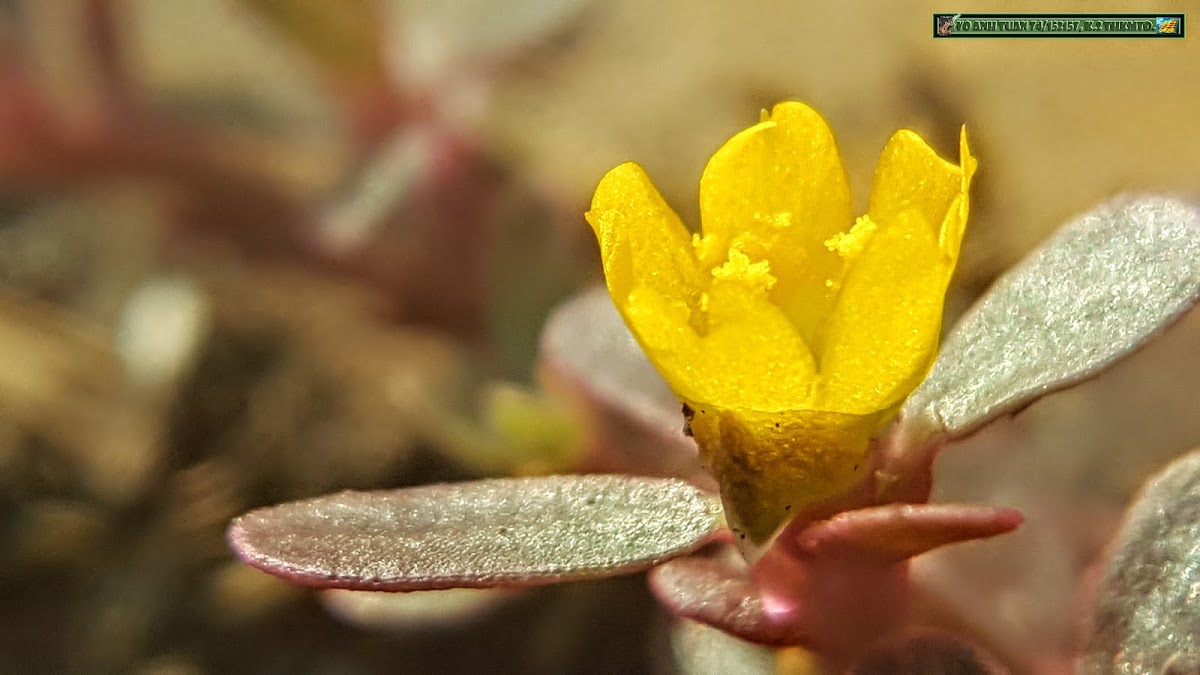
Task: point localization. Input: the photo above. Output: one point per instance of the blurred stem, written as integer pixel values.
(345, 40)
(905, 469)
(103, 38)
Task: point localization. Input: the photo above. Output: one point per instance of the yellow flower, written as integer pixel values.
(790, 330)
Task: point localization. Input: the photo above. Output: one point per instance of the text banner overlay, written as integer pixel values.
(1058, 25)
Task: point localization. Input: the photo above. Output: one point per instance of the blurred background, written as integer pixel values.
(259, 250)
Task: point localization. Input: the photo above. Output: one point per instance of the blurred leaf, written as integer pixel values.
(62, 382)
(1106, 283)
(58, 535)
(538, 260)
(500, 532)
(415, 610)
(343, 36)
(587, 338)
(924, 651)
(591, 358)
(1146, 618)
(1032, 572)
(521, 433)
(239, 594)
(540, 436)
(701, 650)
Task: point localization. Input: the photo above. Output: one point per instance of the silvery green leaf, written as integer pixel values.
(499, 532)
(1146, 618)
(702, 650)
(637, 422)
(587, 337)
(1099, 288)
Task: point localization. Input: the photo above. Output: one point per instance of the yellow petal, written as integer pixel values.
(753, 356)
(956, 219)
(661, 326)
(882, 335)
(778, 189)
(910, 176)
(714, 336)
(650, 269)
(642, 241)
(736, 350)
(771, 465)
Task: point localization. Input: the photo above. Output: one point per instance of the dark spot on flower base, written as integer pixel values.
(688, 415)
(504, 530)
(788, 507)
(777, 425)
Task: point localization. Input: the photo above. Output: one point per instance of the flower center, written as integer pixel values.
(737, 275)
(850, 244)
